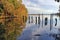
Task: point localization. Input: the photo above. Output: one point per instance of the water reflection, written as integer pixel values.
(35, 31)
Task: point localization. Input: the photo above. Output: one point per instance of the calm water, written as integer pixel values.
(37, 32)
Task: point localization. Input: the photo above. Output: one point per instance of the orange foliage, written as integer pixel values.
(14, 17)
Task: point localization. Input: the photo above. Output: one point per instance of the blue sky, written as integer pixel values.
(41, 6)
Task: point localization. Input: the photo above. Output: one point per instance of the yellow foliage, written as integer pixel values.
(9, 8)
(14, 17)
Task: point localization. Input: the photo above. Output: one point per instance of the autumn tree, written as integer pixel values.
(13, 17)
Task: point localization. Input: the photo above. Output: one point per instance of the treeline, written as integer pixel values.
(13, 17)
(58, 14)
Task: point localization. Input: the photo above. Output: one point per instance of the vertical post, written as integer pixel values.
(37, 20)
(42, 20)
(51, 21)
(30, 19)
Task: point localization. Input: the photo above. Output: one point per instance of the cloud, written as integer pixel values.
(34, 10)
(41, 6)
